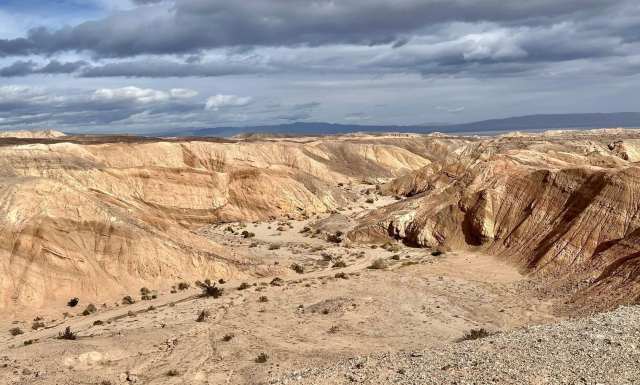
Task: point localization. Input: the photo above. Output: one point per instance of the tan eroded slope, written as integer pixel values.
(103, 218)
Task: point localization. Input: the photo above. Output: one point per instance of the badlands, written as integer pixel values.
(372, 259)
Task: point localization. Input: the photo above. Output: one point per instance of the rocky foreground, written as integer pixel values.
(604, 349)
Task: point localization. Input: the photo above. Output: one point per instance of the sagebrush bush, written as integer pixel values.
(475, 334)
(209, 289)
(67, 334)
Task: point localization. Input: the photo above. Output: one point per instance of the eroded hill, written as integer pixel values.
(562, 205)
(104, 215)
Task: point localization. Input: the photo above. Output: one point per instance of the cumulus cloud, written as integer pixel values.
(217, 102)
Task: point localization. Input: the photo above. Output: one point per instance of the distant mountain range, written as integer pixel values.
(520, 123)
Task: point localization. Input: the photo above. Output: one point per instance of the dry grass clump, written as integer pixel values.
(203, 315)
(475, 334)
(244, 286)
(127, 300)
(15, 331)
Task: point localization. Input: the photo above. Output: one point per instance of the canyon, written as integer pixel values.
(327, 247)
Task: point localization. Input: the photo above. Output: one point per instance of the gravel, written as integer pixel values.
(602, 349)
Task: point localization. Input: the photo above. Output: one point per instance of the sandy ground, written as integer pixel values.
(323, 314)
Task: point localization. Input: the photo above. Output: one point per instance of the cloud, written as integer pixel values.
(217, 102)
(23, 68)
(183, 93)
(451, 110)
(189, 26)
(160, 68)
(134, 94)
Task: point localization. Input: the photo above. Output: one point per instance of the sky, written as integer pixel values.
(149, 65)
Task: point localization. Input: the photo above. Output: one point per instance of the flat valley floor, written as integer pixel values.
(337, 307)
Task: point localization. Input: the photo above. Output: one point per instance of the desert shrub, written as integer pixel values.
(326, 257)
(263, 298)
(247, 234)
(339, 264)
(395, 257)
(334, 329)
(37, 325)
(341, 276)
(98, 323)
(274, 246)
(67, 334)
(209, 289)
(437, 253)
(90, 309)
(146, 294)
(244, 286)
(369, 200)
(228, 337)
(73, 302)
(28, 342)
(172, 373)
(203, 315)
(297, 268)
(335, 238)
(475, 334)
(378, 264)
(127, 300)
(262, 358)
(183, 286)
(253, 244)
(222, 281)
(15, 331)
(305, 229)
(277, 282)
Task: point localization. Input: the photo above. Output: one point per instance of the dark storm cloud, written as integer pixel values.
(19, 68)
(475, 38)
(192, 25)
(53, 67)
(165, 68)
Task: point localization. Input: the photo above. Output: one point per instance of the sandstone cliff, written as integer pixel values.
(562, 205)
